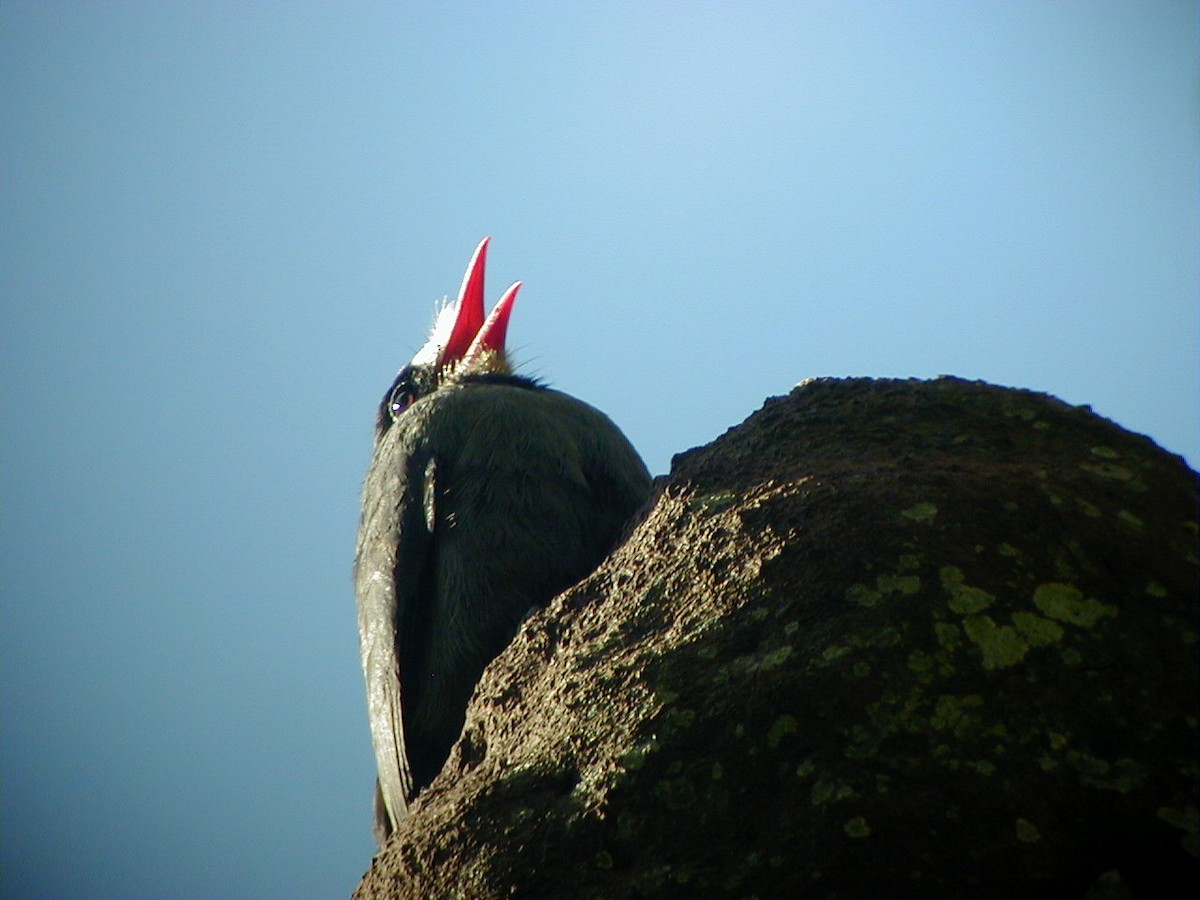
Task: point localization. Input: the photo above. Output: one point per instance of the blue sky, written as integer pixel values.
(223, 227)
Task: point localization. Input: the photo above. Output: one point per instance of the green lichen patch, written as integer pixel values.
(893, 712)
(920, 662)
(962, 598)
(1036, 630)
(1027, 832)
(1008, 550)
(1001, 645)
(948, 635)
(1023, 413)
(886, 637)
(680, 718)
(832, 654)
(857, 827)
(714, 502)
(783, 725)
(1066, 603)
(898, 584)
(884, 585)
(957, 714)
(1105, 453)
(1122, 776)
(863, 595)
(772, 659)
(1128, 518)
(636, 758)
(924, 513)
(830, 791)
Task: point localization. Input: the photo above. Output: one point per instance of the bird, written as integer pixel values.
(488, 493)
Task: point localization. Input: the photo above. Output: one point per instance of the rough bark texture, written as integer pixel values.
(885, 638)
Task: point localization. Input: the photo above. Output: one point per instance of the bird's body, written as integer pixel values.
(487, 494)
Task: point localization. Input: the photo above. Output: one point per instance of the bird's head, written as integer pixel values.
(461, 343)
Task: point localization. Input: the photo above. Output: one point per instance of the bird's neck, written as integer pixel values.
(489, 362)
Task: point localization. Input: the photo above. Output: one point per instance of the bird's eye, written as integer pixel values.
(402, 398)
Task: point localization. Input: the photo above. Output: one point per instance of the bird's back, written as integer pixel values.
(483, 501)
(531, 498)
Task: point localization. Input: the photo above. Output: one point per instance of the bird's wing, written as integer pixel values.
(617, 479)
(393, 550)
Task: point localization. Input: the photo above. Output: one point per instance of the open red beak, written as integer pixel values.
(471, 335)
(470, 308)
(491, 334)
